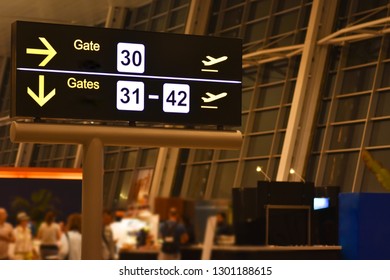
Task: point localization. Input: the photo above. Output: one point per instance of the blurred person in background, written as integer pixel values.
(109, 248)
(23, 249)
(49, 234)
(6, 235)
(173, 234)
(70, 248)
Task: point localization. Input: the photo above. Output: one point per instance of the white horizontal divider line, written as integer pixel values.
(127, 75)
(154, 96)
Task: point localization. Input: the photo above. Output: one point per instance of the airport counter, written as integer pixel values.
(194, 252)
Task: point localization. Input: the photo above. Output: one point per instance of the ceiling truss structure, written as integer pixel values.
(351, 33)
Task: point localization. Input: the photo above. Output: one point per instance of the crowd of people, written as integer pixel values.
(52, 241)
(55, 240)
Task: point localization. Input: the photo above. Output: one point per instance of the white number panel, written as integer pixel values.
(176, 98)
(130, 58)
(130, 96)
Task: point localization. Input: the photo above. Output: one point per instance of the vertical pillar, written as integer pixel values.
(300, 93)
(92, 200)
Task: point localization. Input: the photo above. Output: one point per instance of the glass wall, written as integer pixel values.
(266, 95)
(354, 112)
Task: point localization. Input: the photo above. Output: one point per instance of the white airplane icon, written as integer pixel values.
(212, 60)
(212, 97)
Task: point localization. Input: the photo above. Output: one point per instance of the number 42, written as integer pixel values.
(176, 98)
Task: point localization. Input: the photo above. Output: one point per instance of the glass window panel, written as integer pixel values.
(56, 163)
(178, 17)
(255, 31)
(312, 168)
(272, 172)
(231, 33)
(224, 180)
(229, 154)
(282, 41)
(230, 3)
(260, 145)
(387, 52)
(177, 30)
(259, 9)
(270, 96)
(318, 139)
(46, 151)
(290, 91)
(285, 115)
(141, 26)
(251, 176)
(284, 5)
(232, 18)
(244, 119)
(363, 52)
(246, 99)
(129, 159)
(324, 111)
(249, 78)
(346, 136)
(110, 160)
(148, 157)
(382, 107)
(369, 5)
(285, 22)
(265, 121)
(352, 108)
(340, 170)
(158, 24)
(72, 149)
(69, 163)
(198, 181)
(4, 159)
(107, 183)
(370, 183)
(59, 150)
(294, 64)
(329, 86)
(212, 26)
(178, 3)
(161, 7)
(380, 133)
(142, 13)
(216, 4)
(124, 188)
(335, 52)
(279, 142)
(111, 148)
(358, 80)
(203, 155)
(275, 71)
(386, 76)
(306, 16)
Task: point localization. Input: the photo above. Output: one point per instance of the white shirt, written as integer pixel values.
(71, 245)
(48, 233)
(23, 240)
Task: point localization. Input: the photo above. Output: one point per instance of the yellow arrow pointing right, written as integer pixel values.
(50, 52)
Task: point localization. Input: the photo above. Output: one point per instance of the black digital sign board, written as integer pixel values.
(75, 72)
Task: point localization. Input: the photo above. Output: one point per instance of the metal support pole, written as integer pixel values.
(92, 200)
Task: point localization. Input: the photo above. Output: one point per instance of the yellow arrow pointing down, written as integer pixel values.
(49, 51)
(41, 99)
